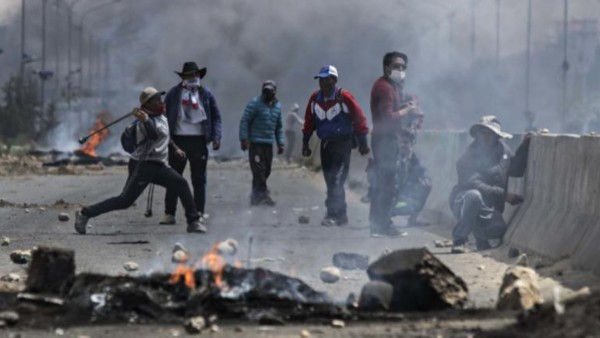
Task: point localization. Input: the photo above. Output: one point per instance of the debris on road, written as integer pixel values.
(522, 260)
(303, 219)
(11, 278)
(376, 296)
(330, 274)
(350, 261)
(9, 317)
(179, 254)
(194, 325)
(41, 298)
(131, 266)
(421, 282)
(5, 241)
(304, 334)
(442, 243)
(50, 269)
(338, 323)
(228, 247)
(519, 289)
(20, 256)
(63, 217)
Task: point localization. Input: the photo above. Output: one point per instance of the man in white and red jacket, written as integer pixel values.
(340, 123)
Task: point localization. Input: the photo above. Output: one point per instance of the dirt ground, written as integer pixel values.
(32, 202)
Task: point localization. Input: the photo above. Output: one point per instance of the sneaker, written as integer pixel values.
(196, 227)
(389, 232)
(267, 201)
(168, 220)
(328, 222)
(459, 249)
(203, 219)
(482, 244)
(342, 220)
(81, 222)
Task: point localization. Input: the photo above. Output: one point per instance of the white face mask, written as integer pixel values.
(195, 82)
(397, 75)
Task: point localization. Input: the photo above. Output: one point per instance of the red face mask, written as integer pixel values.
(159, 108)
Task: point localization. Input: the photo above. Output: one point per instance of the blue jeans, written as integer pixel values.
(475, 216)
(411, 200)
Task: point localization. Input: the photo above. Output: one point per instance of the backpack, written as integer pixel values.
(129, 137)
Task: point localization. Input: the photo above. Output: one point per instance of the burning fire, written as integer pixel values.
(215, 263)
(187, 273)
(212, 261)
(89, 148)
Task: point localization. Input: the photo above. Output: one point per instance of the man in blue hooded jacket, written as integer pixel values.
(261, 125)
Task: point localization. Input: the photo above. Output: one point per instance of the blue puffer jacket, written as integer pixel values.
(261, 123)
(212, 124)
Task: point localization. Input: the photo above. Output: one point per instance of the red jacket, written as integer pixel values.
(385, 104)
(334, 118)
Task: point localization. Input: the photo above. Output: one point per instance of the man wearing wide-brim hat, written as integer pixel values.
(194, 122)
(477, 200)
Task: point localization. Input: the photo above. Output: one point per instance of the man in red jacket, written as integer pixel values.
(391, 112)
(339, 122)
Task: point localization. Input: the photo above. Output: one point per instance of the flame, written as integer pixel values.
(185, 272)
(89, 148)
(215, 263)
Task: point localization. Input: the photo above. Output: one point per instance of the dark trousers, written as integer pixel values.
(335, 161)
(142, 174)
(261, 158)
(385, 157)
(290, 137)
(196, 152)
(473, 215)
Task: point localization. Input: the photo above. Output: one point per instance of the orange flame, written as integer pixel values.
(215, 263)
(89, 148)
(187, 273)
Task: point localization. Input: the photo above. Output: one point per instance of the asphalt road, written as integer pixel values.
(280, 243)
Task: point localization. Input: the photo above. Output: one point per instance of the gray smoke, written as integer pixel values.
(454, 73)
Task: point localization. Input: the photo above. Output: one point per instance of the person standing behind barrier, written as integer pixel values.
(292, 121)
(148, 164)
(339, 122)
(390, 115)
(260, 126)
(194, 122)
(477, 200)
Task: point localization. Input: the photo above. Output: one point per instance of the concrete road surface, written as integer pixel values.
(280, 243)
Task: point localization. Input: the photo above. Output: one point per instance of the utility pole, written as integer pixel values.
(497, 34)
(81, 60)
(22, 42)
(90, 63)
(473, 30)
(528, 61)
(69, 69)
(43, 70)
(565, 65)
(57, 52)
